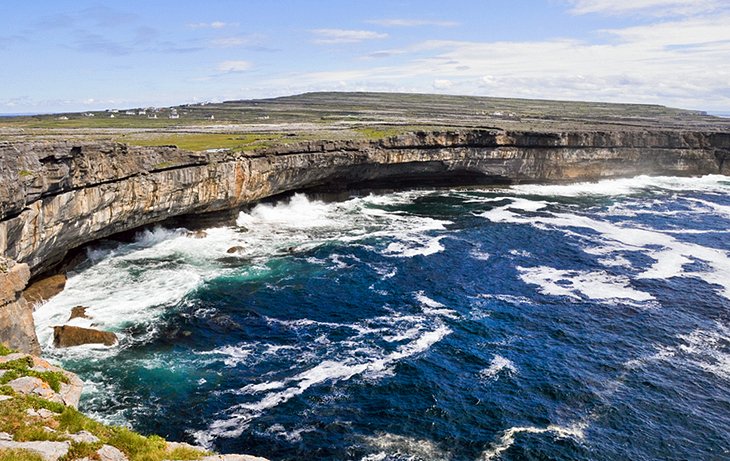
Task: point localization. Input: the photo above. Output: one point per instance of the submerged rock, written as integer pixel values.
(198, 234)
(235, 249)
(69, 336)
(45, 289)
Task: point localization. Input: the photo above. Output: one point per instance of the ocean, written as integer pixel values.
(534, 322)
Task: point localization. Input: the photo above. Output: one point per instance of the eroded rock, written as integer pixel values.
(69, 336)
(44, 289)
(79, 312)
(17, 329)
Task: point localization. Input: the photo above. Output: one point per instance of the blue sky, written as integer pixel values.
(78, 55)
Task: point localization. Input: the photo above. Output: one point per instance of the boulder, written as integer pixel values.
(83, 437)
(235, 249)
(70, 393)
(198, 234)
(69, 336)
(28, 385)
(44, 289)
(49, 451)
(79, 312)
(110, 453)
(41, 413)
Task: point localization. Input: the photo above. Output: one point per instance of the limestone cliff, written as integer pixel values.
(16, 316)
(56, 196)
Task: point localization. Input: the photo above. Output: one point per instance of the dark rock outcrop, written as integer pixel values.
(44, 289)
(69, 336)
(78, 312)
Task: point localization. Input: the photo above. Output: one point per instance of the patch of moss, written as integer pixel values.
(5, 350)
(25, 173)
(19, 455)
(79, 450)
(34, 433)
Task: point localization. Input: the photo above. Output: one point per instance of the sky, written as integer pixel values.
(76, 55)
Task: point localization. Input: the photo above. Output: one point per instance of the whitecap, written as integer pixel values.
(392, 446)
(575, 431)
(575, 284)
(498, 365)
(240, 415)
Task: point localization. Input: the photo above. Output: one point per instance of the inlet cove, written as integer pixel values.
(433, 324)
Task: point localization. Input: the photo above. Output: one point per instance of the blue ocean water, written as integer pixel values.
(578, 322)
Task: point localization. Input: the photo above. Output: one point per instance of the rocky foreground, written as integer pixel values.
(39, 421)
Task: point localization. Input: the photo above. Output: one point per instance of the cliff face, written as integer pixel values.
(16, 316)
(57, 196)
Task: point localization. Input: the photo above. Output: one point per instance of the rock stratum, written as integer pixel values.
(56, 196)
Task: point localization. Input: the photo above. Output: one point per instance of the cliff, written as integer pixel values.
(58, 195)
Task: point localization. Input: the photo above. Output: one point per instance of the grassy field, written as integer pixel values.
(254, 124)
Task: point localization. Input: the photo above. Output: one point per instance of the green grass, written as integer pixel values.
(19, 455)
(5, 350)
(21, 367)
(14, 420)
(205, 141)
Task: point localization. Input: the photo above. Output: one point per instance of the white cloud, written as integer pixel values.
(412, 22)
(442, 84)
(680, 63)
(649, 7)
(335, 36)
(232, 42)
(234, 66)
(212, 25)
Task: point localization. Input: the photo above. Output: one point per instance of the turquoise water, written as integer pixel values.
(585, 322)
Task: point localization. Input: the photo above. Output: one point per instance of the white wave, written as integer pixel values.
(392, 446)
(326, 371)
(134, 284)
(498, 365)
(615, 261)
(670, 255)
(708, 350)
(627, 186)
(510, 299)
(432, 307)
(576, 431)
(300, 223)
(279, 431)
(573, 284)
(480, 255)
(414, 247)
(297, 213)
